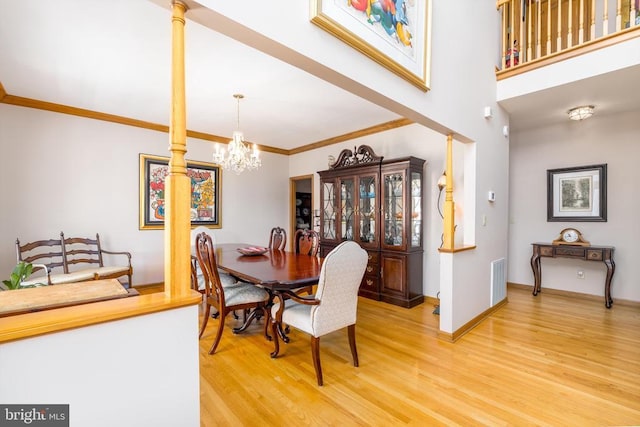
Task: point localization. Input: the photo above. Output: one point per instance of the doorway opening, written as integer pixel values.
(301, 205)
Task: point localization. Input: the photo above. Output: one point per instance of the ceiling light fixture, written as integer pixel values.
(239, 156)
(581, 113)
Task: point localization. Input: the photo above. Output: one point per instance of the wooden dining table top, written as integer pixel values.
(275, 269)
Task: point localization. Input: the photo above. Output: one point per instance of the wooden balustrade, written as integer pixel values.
(535, 29)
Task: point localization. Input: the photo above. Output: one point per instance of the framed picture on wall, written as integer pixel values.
(395, 35)
(577, 193)
(206, 186)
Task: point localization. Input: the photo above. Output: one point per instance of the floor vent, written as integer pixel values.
(498, 281)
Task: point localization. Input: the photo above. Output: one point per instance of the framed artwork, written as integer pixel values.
(396, 34)
(206, 185)
(577, 194)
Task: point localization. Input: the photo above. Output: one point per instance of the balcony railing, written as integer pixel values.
(533, 30)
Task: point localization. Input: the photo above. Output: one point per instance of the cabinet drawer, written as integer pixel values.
(546, 251)
(373, 258)
(370, 282)
(570, 252)
(595, 254)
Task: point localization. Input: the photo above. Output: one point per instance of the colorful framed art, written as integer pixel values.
(394, 33)
(206, 185)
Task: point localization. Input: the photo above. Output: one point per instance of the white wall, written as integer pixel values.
(81, 176)
(601, 139)
(142, 371)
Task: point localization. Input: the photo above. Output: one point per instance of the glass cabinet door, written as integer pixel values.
(393, 187)
(416, 209)
(328, 211)
(347, 211)
(367, 209)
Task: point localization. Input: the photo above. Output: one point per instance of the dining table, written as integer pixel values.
(274, 270)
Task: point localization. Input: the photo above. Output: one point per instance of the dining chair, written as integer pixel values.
(242, 296)
(333, 307)
(278, 239)
(197, 277)
(306, 242)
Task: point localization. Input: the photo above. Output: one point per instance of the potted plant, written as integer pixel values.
(19, 274)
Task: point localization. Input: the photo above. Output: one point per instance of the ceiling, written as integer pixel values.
(99, 56)
(611, 93)
(114, 57)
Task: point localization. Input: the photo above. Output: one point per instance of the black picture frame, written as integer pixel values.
(577, 194)
(206, 186)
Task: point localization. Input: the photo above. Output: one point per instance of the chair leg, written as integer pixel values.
(352, 343)
(205, 319)
(216, 341)
(267, 322)
(315, 354)
(276, 343)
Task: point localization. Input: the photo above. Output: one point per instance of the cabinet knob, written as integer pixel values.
(369, 282)
(369, 269)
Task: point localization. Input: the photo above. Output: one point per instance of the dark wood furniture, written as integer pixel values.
(241, 296)
(275, 270)
(68, 253)
(378, 204)
(278, 238)
(306, 242)
(588, 253)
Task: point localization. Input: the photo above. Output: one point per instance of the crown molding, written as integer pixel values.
(20, 101)
(352, 135)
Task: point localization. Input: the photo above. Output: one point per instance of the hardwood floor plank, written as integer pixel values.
(550, 360)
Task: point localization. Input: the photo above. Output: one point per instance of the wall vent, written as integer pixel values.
(498, 281)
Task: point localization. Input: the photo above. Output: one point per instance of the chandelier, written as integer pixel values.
(239, 156)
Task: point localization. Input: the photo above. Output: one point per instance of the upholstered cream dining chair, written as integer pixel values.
(333, 307)
(242, 296)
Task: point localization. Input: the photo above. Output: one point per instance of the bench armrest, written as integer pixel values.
(46, 269)
(128, 254)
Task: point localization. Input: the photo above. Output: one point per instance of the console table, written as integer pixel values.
(588, 253)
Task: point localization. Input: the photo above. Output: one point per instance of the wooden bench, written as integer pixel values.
(80, 259)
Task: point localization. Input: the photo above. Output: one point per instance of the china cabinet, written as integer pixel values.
(378, 204)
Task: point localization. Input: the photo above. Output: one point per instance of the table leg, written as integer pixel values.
(611, 268)
(535, 266)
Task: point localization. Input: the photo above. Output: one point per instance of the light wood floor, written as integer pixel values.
(548, 360)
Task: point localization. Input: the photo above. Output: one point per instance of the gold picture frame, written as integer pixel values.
(206, 187)
(397, 39)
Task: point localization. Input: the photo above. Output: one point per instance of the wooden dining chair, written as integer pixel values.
(242, 296)
(197, 276)
(306, 242)
(278, 239)
(333, 307)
